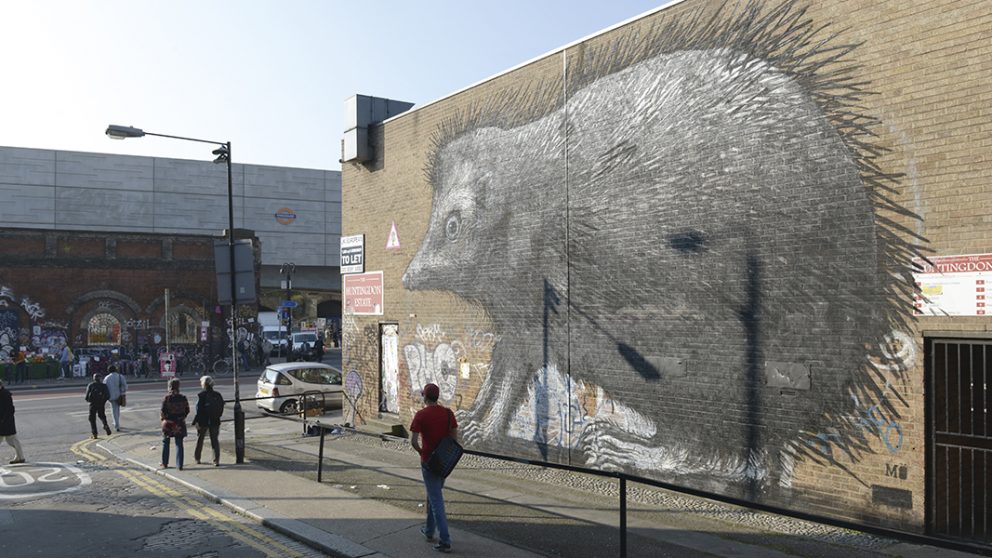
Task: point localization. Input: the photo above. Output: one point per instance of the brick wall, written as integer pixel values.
(53, 282)
(679, 251)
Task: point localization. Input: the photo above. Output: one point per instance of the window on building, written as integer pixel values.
(103, 329)
(183, 327)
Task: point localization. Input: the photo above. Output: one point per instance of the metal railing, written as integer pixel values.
(622, 479)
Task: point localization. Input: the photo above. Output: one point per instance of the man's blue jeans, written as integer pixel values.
(436, 517)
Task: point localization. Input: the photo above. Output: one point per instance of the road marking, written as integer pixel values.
(197, 510)
(81, 449)
(39, 474)
(246, 535)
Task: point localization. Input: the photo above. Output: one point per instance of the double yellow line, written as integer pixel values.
(243, 533)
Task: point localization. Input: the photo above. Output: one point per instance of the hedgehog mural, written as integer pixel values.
(696, 220)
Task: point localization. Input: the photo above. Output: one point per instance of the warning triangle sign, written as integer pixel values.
(393, 242)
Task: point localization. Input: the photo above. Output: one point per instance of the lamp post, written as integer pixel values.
(223, 154)
(287, 269)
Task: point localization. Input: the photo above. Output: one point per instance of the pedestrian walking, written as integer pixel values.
(175, 409)
(8, 431)
(8, 366)
(20, 367)
(209, 409)
(267, 347)
(65, 362)
(319, 348)
(97, 395)
(117, 386)
(431, 424)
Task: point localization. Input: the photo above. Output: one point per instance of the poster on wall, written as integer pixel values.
(353, 254)
(363, 294)
(952, 285)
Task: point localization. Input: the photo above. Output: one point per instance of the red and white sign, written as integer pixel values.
(363, 293)
(953, 285)
(167, 365)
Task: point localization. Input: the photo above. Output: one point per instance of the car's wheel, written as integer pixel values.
(290, 408)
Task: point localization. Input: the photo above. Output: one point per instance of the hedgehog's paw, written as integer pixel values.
(472, 430)
(610, 448)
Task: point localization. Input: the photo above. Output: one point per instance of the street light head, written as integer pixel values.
(222, 153)
(122, 132)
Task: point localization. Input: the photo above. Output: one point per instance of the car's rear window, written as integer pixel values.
(322, 376)
(271, 376)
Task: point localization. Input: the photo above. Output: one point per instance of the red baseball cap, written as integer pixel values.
(431, 391)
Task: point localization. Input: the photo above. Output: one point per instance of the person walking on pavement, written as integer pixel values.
(117, 386)
(20, 367)
(432, 423)
(209, 409)
(319, 348)
(267, 347)
(97, 395)
(65, 362)
(8, 431)
(175, 409)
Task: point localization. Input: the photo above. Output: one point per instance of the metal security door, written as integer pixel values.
(959, 479)
(389, 368)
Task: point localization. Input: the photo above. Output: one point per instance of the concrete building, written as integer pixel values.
(741, 248)
(295, 213)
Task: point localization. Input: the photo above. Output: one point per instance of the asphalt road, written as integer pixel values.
(72, 499)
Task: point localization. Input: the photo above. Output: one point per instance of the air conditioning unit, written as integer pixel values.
(361, 112)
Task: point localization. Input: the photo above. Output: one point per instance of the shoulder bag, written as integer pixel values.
(122, 399)
(446, 455)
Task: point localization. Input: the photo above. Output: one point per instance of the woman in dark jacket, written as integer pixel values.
(209, 408)
(8, 431)
(175, 409)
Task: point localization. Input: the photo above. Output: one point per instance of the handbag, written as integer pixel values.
(446, 455)
(171, 428)
(122, 400)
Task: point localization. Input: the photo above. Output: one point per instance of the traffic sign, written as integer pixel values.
(288, 304)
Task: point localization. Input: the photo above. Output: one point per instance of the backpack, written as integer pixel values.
(213, 408)
(216, 409)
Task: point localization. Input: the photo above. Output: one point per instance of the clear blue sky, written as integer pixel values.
(270, 76)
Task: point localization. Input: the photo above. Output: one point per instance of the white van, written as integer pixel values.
(277, 336)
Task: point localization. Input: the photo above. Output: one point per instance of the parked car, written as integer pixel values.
(282, 386)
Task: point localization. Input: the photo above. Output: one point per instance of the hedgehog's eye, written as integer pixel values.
(452, 226)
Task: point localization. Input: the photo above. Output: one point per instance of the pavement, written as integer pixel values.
(370, 503)
(379, 516)
(325, 516)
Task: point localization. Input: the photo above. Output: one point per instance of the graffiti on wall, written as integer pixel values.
(9, 327)
(717, 262)
(444, 358)
(15, 333)
(361, 353)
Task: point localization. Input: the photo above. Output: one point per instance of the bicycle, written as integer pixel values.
(222, 365)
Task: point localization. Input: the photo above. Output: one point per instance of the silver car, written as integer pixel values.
(282, 387)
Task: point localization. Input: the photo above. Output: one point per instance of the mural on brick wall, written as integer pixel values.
(690, 264)
(34, 331)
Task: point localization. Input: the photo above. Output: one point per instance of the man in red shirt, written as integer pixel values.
(433, 423)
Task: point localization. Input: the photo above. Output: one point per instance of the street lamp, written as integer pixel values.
(223, 154)
(287, 269)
